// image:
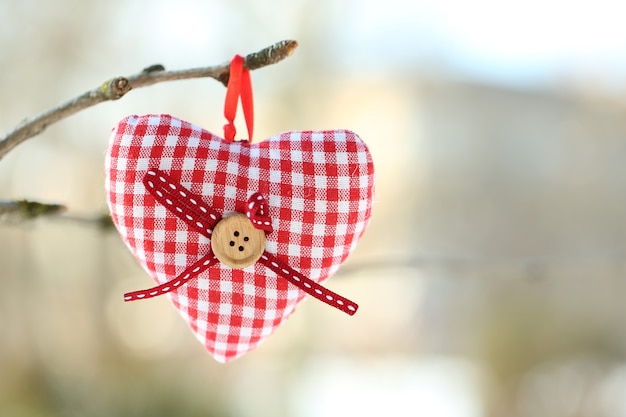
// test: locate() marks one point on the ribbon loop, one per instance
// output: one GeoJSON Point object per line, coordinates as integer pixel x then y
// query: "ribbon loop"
{"type": "Point", "coordinates": [239, 85]}
{"type": "Point", "coordinates": [256, 210]}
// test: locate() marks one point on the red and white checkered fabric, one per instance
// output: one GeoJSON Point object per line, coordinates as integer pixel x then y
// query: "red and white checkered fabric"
{"type": "Point", "coordinates": [318, 187]}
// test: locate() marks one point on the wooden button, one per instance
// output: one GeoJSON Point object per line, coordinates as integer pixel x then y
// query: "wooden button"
{"type": "Point", "coordinates": [236, 242]}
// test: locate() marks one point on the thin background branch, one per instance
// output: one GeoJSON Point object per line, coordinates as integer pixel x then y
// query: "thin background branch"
{"type": "Point", "coordinates": [25, 209]}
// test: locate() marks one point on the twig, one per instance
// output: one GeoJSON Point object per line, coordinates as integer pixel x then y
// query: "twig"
{"type": "Point", "coordinates": [102, 221]}
{"type": "Point", "coordinates": [26, 210]}
{"type": "Point", "coordinates": [116, 88]}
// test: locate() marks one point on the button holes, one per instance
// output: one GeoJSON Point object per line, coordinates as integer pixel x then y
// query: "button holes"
{"type": "Point", "coordinates": [232, 243]}
{"type": "Point", "coordinates": [240, 248]}
{"type": "Point", "coordinates": [245, 239]}
{"type": "Point", "coordinates": [236, 234]}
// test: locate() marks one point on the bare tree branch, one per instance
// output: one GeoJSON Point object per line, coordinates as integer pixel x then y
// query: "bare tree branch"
{"type": "Point", "coordinates": [116, 88]}
{"type": "Point", "coordinates": [102, 221]}
{"type": "Point", "coordinates": [26, 210]}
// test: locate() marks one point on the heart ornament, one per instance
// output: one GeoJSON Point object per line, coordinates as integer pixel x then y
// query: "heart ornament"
{"type": "Point", "coordinates": [171, 184]}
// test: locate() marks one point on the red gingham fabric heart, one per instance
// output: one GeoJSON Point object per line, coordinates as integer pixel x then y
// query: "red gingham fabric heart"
{"type": "Point", "coordinates": [317, 189]}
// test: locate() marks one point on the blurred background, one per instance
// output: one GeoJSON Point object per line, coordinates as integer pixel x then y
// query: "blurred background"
{"type": "Point", "coordinates": [491, 279]}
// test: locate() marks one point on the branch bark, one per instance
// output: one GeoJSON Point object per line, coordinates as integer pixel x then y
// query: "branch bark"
{"type": "Point", "coordinates": [26, 210]}
{"type": "Point", "coordinates": [116, 88]}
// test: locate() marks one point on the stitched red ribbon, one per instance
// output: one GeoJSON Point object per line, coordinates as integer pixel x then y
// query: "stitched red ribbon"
{"type": "Point", "coordinates": [239, 85]}
{"type": "Point", "coordinates": [256, 210]}
{"type": "Point", "coordinates": [191, 209]}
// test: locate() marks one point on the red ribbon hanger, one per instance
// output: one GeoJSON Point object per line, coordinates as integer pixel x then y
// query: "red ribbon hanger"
{"type": "Point", "coordinates": [239, 85]}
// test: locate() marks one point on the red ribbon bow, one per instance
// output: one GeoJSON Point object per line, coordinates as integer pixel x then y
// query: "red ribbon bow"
{"type": "Point", "coordinates": [191, 209]}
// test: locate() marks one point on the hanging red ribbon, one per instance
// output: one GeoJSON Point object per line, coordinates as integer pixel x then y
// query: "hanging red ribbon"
{"type": "Point", "coordinates": [239, 85]}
